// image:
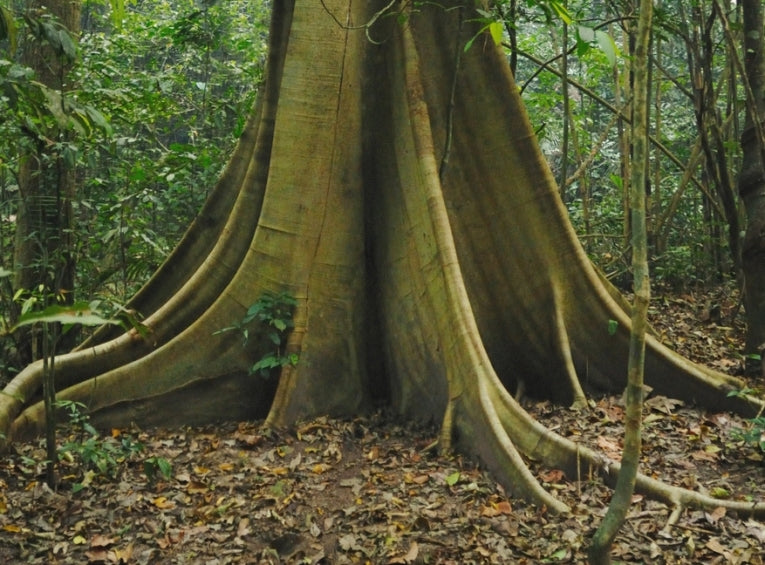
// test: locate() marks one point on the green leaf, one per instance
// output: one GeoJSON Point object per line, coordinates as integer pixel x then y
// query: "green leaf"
{"type": "Point", "coordinates": [719, 492]}
{"type": "Point", "coordinates": [77, 313]}
{"type": "Point", "coordinates": [66, 45]}
{"type": "Point", "coordinates": [117, 14]}
{"type": "Point", "coordinates": [495, 29]}
{"type": "Point", "coordinates": [607, 45]}
{"type": "Point", "coordinates": [452, 479]}
{"type": "Point", "coordinates": [98, 119]}
{"type": "Point", "coordinates": [613, 325]}
{"type": "Point", "coordinates": [586, 33]}
{"type": "Point", "coordinates": [8, 29]}
{"type": "Point", "coordinates": [560, 554]}
{"type": "Point", "coordinates": [561, 11]}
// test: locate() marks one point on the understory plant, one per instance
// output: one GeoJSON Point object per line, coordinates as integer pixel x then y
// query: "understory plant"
{"type": "Point", "coordinates": [269, 319]}
{"type": "Point", "coordinates": [754, 433]}
{"type": "Point", "coordinates": [91, 455]}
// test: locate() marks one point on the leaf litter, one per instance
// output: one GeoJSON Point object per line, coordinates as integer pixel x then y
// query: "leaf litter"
{"type": "Point", "coordinates": [368, 490]}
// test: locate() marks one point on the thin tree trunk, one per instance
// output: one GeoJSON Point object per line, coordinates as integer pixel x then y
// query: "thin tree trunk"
{"type": "Point", "coordinates": [566, 114]}
{"type": "Point", "coordinates": [751, 184]}
{"type": "Point", "coordinates": [625, 484]}
{"type": "Point", "coordinates": [43, 253]}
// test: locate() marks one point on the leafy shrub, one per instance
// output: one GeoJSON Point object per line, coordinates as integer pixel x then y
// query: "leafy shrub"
{"type": "Point", "coordinates": [271, 319]}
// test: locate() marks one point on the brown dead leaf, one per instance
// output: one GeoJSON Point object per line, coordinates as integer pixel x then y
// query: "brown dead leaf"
{"type": "Point", "coordinates": [552, 476]}
{"type": "Point", "coordinates": [714, 516]}
{"type": "Point", "coordinates": [714, 545]}
{"type": "Point", "coordinates": [418, 480]}
{"type": "Point", "coordinates": [122, 555]}
{"type": "Point", "coordinates": [243, 528]}
{"type": "Point", "coordinates": [409, 557]}
{"type": "Point", "coordinates": [98, 556]}
{"type": "Point", "coordinates": [163, 503]}
{"type": "Point", "coordinates": [195, 487]}
{"type": "Point", "coordinates": [100, 540]}
{"type": "Point", "coordinates": [500, 508]}
{"type": "Point", "coordinates": [703, 455]}
{"type": "Point", "coordinates": [610, 447]}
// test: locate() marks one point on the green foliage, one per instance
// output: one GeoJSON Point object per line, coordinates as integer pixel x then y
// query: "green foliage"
{"type": "Point", "coordinates": [89, 456]}
{"type": "Point", "coordinates": [587, 38]}
{"type": "Point", "coordinates": [490, 23]}
{"type": "Point", "coordinates": [270, 319]}
{"type": "Point", "coordinates": [8, 28]}
{"type": "Point", "coordinates": [687, 231]}
{"type": "Point", "coordinates": [82, 313]}
{"type": "Point", "coordinates": [155, 466]}
{"type": "Point", "coordinates": [162, 93]}
{"type": "Point", "coordinates": [176, 81]}
{"type": "Point", "coordinates": [48, 30]}
{"type": "Point", "coordinates": [754, 434]}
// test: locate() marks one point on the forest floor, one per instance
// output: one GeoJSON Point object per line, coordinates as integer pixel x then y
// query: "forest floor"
{"type": "Point", "coordinates": [370, 491]}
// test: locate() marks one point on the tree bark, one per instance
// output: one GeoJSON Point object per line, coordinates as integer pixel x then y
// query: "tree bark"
{"type": "Point", "coordinates": [43, 253]}
{"type": "Point", "coordinates": [432, 294]}
{"type": "Point", "coordinates": [600, 550]}
{"type": "Point", "coordinates": [751, 183]}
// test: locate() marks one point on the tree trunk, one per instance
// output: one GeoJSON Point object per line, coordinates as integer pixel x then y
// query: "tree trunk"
{"type": "Point", "coordinates": [430, 289]}
{"type": "Point", "coordinates": [43, 253]}
{"type": "Point", "coordinates": [600, 550]}
{"type": "Point", "coordinates": [751, 183]}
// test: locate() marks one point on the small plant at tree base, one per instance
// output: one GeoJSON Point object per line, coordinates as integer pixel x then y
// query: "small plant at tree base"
{"type": "Point", "coordinates": [55, 319]}
{"type": "Point", "coordinates": [754, 434]}
{"type": "Point", "coordinates": [101, 457]}
{"type": "Point", "coordinates": [154, 466]}
{"type": "Point", "coordinates": [271, 319]}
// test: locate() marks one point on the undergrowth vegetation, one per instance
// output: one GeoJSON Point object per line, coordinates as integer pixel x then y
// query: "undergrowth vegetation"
{"type": "Point", "coordinates": [160, 94]}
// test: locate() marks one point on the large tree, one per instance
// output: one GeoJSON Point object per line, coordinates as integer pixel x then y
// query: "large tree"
{"type": "Point", "coordinates": [391, 183]}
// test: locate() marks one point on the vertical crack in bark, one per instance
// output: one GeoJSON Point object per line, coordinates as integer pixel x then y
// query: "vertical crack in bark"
{"type": "Point", "coordinates": [452, 96]}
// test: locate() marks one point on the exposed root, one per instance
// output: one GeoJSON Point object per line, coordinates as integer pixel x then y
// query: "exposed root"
{"type": "Point", "coordinates": [564, 350]}
{"type": "Point", "coordinates": [447, 428]}
{"type": "Point", "coordinates": [541, 444]}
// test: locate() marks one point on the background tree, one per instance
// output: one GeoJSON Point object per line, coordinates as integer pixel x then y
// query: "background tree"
{"type": "Point", "coordinates": [43, 253]}
{"type": "Point", "coordinates": [431, 289]}
{"type": "Point", "coordinates": [751, 183]}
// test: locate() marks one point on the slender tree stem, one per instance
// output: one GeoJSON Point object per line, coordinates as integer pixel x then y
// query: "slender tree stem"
{"type": "Point", "coordinates": [625, 485]}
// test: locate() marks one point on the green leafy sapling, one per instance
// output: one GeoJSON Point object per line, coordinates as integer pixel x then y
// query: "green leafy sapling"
{"type": "Point", "coordinates": [270, 319]}
{"type": "Point", "coordinates": [754, 433]}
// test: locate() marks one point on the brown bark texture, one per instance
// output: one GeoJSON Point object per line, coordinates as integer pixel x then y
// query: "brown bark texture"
{"type": "Point", "coordinates": [751, 184]}
{"type": "Point", "coordinates": [43, 253]}
{"type": "Point", "coordinates": [421, 232]}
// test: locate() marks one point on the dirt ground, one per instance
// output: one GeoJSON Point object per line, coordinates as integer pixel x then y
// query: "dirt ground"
{"type": "Point", "coordinates": [370, 490]}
